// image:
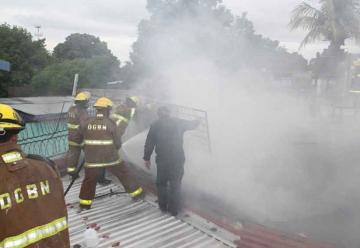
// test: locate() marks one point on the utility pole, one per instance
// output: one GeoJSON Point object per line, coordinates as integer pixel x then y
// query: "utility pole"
{"type": "Point", "coordinates": [76, 80]}
{"type": "Point", "coordinates": [38, 34]}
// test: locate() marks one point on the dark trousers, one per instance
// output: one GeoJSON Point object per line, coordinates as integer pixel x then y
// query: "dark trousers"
{"type": "Point", "coordinates": [72, 156]}
{"type": "Point", "coordinates": [168, 182]}
{"type": "Point", "coordinates": [88, 187]}
{"type": "Point", "coordinates": [101, 177]}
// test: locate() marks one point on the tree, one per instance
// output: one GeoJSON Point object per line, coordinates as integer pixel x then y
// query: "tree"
{"type": "Point", "coordinates": [127, 74]}
{"type": "Point", "coordinates": [335, 21]}
{"type": "Point", "coordinates": [179, 30]}
{"type": "Point", "coordinates": [58, 78]}
{"type": "Point", "coordinates": [26, 56]}
{"type": "Point", "coordinates": [182, 31]}
{"type": "Point", "coordinates": [81, 46]}
{"type": "Point", "coordinates": [84, 54]}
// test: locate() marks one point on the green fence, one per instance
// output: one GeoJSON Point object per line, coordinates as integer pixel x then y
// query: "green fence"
{"type": "Point", "coordinates": [45, 137]}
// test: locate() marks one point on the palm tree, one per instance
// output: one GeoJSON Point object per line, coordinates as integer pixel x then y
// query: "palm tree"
{"type": "Point", "coordinates": [333, 20]}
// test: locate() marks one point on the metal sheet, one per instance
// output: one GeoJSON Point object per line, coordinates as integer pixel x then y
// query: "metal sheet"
{"type": "Point", "coordinates": [38, 106]}
{"type": "Point", "coordinates": [121, 222]}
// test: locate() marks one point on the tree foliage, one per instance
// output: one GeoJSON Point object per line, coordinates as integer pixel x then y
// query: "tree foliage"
{"type": "Point", "coordinates": [184, 30]}
{"type": "Point", "coordinates": [58, 78]}
{"type": "Point", "coordinates": [334, 21]}
{"type": "Point", "coordinates": [26, 56]}
{"type": "Point", "coordinates": [81, 46]}
{"type": "Point", "coordinates": [84, 54]}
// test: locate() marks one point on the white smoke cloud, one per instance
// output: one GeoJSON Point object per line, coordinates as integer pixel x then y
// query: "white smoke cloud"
{"type": "Point", "coordinates": [278, 152]}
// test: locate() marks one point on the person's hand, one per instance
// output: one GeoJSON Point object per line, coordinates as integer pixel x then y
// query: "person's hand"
{"type": "Point", "coordinates": [147, 164]}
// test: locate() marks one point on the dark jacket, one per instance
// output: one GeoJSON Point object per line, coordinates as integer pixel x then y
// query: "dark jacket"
{"type": "Point", "coordinates": [31, 201]}
{"type": "Point", "coordinates": [102, 141]}
{"type": "Point", "coordinates": [166, 136]}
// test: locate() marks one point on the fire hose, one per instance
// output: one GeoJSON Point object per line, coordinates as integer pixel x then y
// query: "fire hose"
{"type": "Point", "coordinates": [111, 193]}
{"type": "Point", "coordinates": [76, 176]}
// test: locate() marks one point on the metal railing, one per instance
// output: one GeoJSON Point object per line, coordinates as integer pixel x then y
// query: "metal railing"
{"type": "Point", "coordinates": [46, 138]}
{"type": "Point", "coordinates": [201, 133]}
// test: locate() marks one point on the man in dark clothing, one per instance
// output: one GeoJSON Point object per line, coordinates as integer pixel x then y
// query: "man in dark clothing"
{"type": "Point", "coordinates": [166, 136]}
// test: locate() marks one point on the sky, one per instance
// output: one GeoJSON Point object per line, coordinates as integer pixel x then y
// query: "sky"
{"type": "Point", "coordinates": [115, 21]}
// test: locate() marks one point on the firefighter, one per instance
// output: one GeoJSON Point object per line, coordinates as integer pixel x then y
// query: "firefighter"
{"type": "Point", "coordinates": [77, 115]}
{"type": "Point", "coordinates": [32, 205]}
{"type": "Point", "coordinates": [122, 115]}
{"type": "Point", "coordinates": [166, 137]}
{"type": "Point", "coordinates": [102, 140]}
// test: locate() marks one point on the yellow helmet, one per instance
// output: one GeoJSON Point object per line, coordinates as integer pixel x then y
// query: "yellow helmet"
{"type": "Point", "coordinates": [103, 102]}
{"type": "Point", "coordinates": [133, 101]}
{"type": "Point", "coordinates": [10, 119]}
{"type": "Point", "coordinates": [83, 96]}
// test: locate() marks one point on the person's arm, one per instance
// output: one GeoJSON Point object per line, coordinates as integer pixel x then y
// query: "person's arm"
{"type": "Point", "coordinates": [121, 126]}
{"type": "Point", "coordinates": [149, 146]}
{"type": "Point", "coordinates": [78, 135]}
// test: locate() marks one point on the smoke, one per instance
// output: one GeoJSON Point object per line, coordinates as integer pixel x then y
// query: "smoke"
{"type": "Point", "coordinates": [256, 162]}
{"type": "Point", "coordinates": [278, 154]}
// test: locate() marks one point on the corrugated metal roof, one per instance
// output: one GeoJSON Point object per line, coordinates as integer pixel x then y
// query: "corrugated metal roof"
{"type": "Point", "coordinates": [257, 236]}
{"type": "Point", "coordinates": [121, 222]}
{"type": "Point", "coordinates": [40, 105]}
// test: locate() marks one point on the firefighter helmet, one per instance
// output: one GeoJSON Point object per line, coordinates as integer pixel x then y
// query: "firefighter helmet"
{"type": "Point", "coordinates": [103, 102]}
{"type": "Point", "coordinates": [83, 96]}
{"type": "Point", "coordinates": [10, 119]}
{"type": "Point", "coordinates": [132, 101]}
